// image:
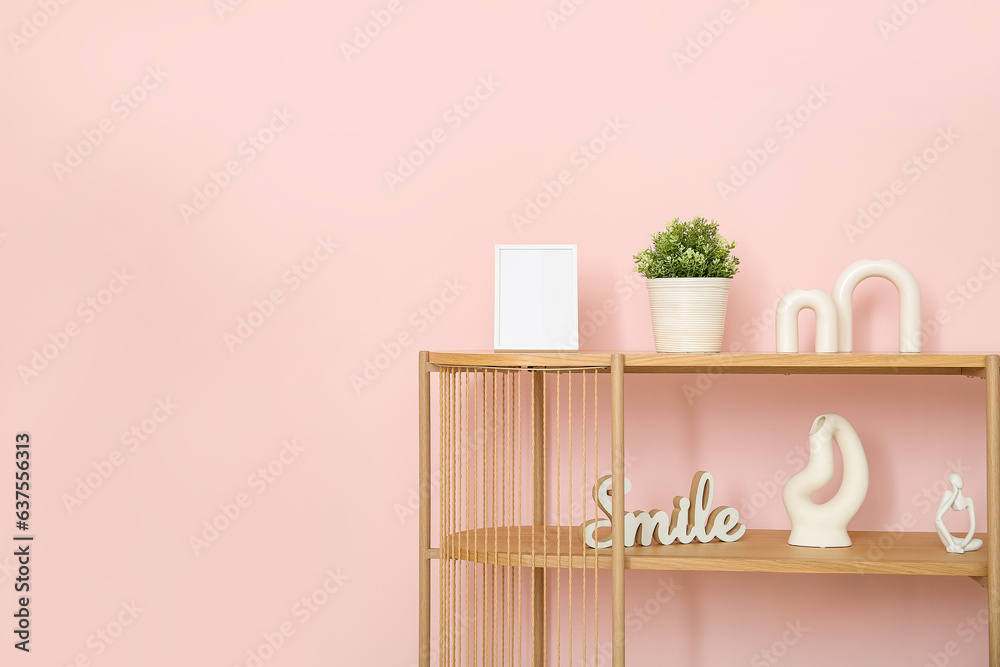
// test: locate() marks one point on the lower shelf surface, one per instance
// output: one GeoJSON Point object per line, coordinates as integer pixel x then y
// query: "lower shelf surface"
{"type": "Point", "coordinates": [873, 552]}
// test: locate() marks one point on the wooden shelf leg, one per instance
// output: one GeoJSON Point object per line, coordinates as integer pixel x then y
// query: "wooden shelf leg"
{"type": "Point", "coordinates": [993, 502]}
{"type": "Point", "coordinates": [538, 515]}
{"type": "Point", "coordinates": [618, 508]}
{"type": "Point", "coordinates": [424, 656]}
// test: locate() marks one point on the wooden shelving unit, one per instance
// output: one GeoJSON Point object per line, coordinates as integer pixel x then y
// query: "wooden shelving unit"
{"type": "Point", "coordinates": [540, 548]}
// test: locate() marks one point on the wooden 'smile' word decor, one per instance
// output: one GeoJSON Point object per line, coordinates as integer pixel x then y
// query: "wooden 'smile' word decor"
{"type": "Point", "coordinates": [689, 520]}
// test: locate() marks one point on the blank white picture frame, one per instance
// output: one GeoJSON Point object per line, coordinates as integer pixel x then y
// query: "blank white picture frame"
{"type": "Point", "coordinates": [535, 305]}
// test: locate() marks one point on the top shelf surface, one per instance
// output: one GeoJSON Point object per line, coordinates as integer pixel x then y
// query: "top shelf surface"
{"type": "Point", "coordinates": [970, 364]}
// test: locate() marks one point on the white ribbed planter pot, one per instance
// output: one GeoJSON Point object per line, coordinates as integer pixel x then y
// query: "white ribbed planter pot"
{"type": "Point", "coordinates": [689, 314]}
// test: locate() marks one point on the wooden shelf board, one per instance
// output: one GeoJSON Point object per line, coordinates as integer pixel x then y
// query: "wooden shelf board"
{"type": "Point", "coordinates": [554, 360]}
{"type": "Point", "coordinates": [811, 364]}
{"type": "Point", "coordinates": [757, 551]}
{"type": "Point", "coordinates": [744, 363]}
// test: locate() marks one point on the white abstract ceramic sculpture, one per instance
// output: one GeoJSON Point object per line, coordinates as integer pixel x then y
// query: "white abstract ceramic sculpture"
{"type": "Point", "coordinates": [835, 314]}
{"type": "Point", "coordinates": [909, 300]}
{"type": "Point", "coordinates": [787, 320]}
{"type": "Point", "coordinates": [825, 525]}
{"type": "Point", "coordinates": [954, 499]}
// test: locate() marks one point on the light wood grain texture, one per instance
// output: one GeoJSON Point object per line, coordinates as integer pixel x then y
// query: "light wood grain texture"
{"type": "Point", "coordinates": [915, 553]}
{"type": "Point", "coordinates": [424, 656]}
{"type": "Point", "coordinates": [618, 509]}
{"type": "Point", "coordinates": [806, 363]}
{"type": "Point", "coordinates": [537, 516]}
{"type": "Point", "coordinates": [523, 359]}
{"type": "Point", "coordinates": [757, 551]}
{"type": "Point", "coordinates": [811, 364]}
{"type": "Point", "coordinates": [993, 502]}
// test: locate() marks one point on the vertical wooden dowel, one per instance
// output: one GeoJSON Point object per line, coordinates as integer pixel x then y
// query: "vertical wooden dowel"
{"type": "Point", "coordinates": [424, 648]}
{"type": "Point", "coordinates": [504, 484]}
{"type": "Point", "coordinates": [993, 503]}
{"type": "Point", "coordinates": [558, 568]}
{"type": "Point", "coordinates": [445, 505]}
{"type": "Point", "coordinates": [446, 475]}
{"type": "Point", "coordinates": [453, 458]}
{"type": "Point", "coordinates": [475, 454]}
{"type": "Point", "coordinates": [569, 523]}
{"type": "Point", "coordinates": [503, 503]}
{"type": "Point", "coordinates": [463, 457]}
{"type": "Point", "coordinates": [511, 415]}
{"type": "Point", "coordinates": [456, 519]}
{"type": "Point", "coordinates": [583, 504]}
{"type": "Point", "coordinates": [618, 508]}
{"type": "Point", "coordinates": [485, 531]}
{"type": "Point", "coordinates": [493, 523]}
{"type": "Point", "coordinates": [476, 493]}
{"type": "Point", "coordinates": [597, 615]}
{"type": "Point", "coordinates": [470, 448]}
{"type": "Point", "coordinates": [537, 515]}
{"type": "Point", "coordinates": [517, 485]}
{"type": "Point", "coordinates": [442, 546]}
{"type": "Point", "coordinates": [443, 516]}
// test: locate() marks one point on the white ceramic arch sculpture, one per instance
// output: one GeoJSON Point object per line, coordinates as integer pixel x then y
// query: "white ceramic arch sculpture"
{"type": "Point", "coordinates": [909, 300]}
{"type": "Point", "coordinates": [835, 315]}
{"type": "Point", "coordinates": [825, 525]}
{"type": "Point", "coordinates": [787, 320]}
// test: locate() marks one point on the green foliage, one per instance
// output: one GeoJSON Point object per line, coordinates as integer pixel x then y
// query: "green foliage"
{"type": "Point", "coordinates": [692, 249]}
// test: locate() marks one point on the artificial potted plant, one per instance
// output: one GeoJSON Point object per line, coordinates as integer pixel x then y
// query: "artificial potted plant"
{"type": "Point", "coordinates": [688, 269]}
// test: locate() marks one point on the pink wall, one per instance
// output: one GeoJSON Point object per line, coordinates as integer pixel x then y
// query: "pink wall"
{"type": "Point", "coordinates": [230, 156]}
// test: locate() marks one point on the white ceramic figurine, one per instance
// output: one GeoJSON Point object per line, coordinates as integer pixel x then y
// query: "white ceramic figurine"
{"type": "Point", "coordinates": [825, 525]}
{"type": "Point", "coordinates": [956, 500]}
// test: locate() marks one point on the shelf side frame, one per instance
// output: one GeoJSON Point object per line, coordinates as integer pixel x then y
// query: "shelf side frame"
{"type": "Point", "coordinates": [618, 508]}
{"type": "Point", "coordinates": [537, 514]}
{"type": "Point", "coordinates": [993, 502]}
{"type": "Point", "coordinates": [424, 654]}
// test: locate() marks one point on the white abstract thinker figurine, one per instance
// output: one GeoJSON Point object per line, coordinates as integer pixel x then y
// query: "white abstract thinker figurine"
{"type": "Point", "coordinates": [956, 500]}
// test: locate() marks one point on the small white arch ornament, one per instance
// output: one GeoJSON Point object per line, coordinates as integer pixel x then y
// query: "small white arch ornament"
{"type": "Point", "coordinates": [787, 320]}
